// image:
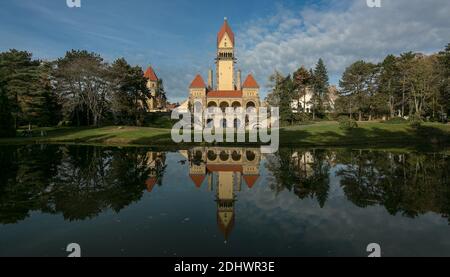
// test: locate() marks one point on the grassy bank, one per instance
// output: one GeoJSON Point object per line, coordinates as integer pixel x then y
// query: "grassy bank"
{"type": "Point", "coordinates": [325, 134]}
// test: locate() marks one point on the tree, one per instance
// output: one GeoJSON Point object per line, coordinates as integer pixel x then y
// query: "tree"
{"type": "Point", "coordinates": [274, 96]}
{"type": "Point", "coordinates": [357, 85]}
{"type": "Point", "coordinates": [389, 82]}
{"type": "Point", "coordinates": [302, 80]}
{"type": "Point", "coordinates": [26, 84]}
{"type": "Point", "coordinates": [83, 83]}
{"type": "Point", "coordinates": [320, 87]}
{"type": "Point", "coordinates": [405, 68]}
{"type": "Point", "coordinates": [7, 128]}
{"type": "Point", "coordinates": [444, 85]}
{"type": "Point", "coordinates": [129, 92]}
{"type": "Point", "coordinates": [286, 94]}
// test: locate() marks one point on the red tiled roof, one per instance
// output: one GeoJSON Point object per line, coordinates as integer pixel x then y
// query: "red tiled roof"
{"type": "Point", "coordinates": [150, 74]}
{"type": "Point", "coordinates": [224, 168]}
{"type": "Point", "coordinates": [198, 180]}
{"type": "Point", "coordinates": [250, 82]}
{"type": "Point", "coordinates": [251, 180]}
{"type": "Point", "coordinates": [150, 183]}
{"type": "Point", "coordinates": [198, 82]}
{"type": "Point", "coordinates": [225, 93]}
{"type": "Point", "coordinates": [225, 30]}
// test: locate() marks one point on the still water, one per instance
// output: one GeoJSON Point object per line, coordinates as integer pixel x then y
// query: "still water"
{"type": "Point", "coordinates": [222, 202]}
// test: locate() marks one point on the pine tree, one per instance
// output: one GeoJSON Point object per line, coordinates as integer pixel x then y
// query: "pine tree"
{"type": "Point", "coordinates": [320, 87]}
{"type": "Point", "coordinates": [129, 92]}
{"type": "Point", "coordinates": [26, 84]}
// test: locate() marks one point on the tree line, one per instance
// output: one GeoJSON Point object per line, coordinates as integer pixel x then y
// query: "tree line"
{"type": "Point", "coordinates": [409, 86]}
{"type": "Point", "coordinates": [79, 89]}
{"type": "Point", "coordinates": [284, 90]}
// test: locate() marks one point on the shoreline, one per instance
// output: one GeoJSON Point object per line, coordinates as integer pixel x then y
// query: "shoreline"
{"type": "Point", "coordinates": [324, 134]}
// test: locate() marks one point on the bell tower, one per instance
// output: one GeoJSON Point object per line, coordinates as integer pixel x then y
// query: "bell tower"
{"type": "Point", "coordinates": [225, 58]}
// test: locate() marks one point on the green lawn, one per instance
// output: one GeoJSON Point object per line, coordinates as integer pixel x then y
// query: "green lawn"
{"type": "Point", "coordinates": [367, 134]}
{"type": "Point", "coordinates": [326, 134]}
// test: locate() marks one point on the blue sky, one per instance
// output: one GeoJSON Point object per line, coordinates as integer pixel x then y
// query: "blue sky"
{"type": "Point", "coordinates": [177, 37]}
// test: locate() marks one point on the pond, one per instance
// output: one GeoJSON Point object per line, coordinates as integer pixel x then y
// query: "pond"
{"type": "Point", "coordinates": [212, 201]}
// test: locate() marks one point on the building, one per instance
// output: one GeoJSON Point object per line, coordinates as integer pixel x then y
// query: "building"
{"type": "Point", "coordinates": [226, 89]}
{"type": "Point", "coordinates": [156, 101]}
{"type": "Point", "coordinates": [303, 102]}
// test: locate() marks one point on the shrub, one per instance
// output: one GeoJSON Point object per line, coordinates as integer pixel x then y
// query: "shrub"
{"type": "Point", "coordinates": [415, 121]}
{"type": "Point", "coordinates": [396, 120]}
{"type": "Point", "coordinates": [346, 123]}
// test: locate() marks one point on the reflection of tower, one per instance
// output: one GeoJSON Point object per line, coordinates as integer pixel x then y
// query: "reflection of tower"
{"type": "Point", "coordinates": [155, 162]}
{"type": "Point", "coordinates": [225, 169]}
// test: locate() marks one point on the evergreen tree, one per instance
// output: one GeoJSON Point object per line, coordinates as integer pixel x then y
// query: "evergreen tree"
{"type": "Point", "coordinates": [129, 92]}
{"type": "Point", "coordinates": [357, 86]}
{"type": "Point", "coordinates": [320, 87]}
{"type": "Point", "coordinates": [26, 84]}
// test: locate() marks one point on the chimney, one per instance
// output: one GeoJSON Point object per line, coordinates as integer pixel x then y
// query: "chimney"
{"type": "Point", "coordinates": [210, 79]}
{"type": "Point", "coordinates": [238, 80]}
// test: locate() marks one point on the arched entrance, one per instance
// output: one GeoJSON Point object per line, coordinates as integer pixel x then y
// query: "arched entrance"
{"type": "Point", "coordinates": [250, 104]}
{"type": "Point", "coordinates": [223, 106]}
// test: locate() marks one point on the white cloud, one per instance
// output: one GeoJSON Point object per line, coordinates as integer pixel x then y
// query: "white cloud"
{"type": "Point", "coordinates": [341, 35]}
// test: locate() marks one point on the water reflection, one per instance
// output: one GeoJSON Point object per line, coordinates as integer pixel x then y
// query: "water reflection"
{"type": "Point", "coordinates": [306, 189]}
{"type": "Point", "coordinates": [411, 184]}
{"type": "Point", "coordinates": [225, 170]}
{"type": "Point", "coordinates": [78, 182]}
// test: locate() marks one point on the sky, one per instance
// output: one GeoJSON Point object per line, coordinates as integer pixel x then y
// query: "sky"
{"type": "Point", "coordinates": [178, 37]}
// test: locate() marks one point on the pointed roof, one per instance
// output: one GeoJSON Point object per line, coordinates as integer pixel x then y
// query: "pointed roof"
{"type": "Point", "coordinates": [150, 74]}
{"type": "Point", "coordinates": [226, 29]}
{"type": "Point", "coordinates": [198, 82]}
{"type": "Point", "coordinates": [150, 183]}
{"type": "Point", "coordinates": [250, 82]}
{"type": "Point", "coordinates": [198, 180]}
{"type": "Point", "coordinates": [251, 180]}
{"type": "Point", "coordinates": [224, 227]}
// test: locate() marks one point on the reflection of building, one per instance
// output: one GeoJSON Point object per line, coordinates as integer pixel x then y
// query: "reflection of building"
{"type": "Point", "coordinates": [156, 101]}
{"type": "Point", "coordinates": [155, 163]}
{"type": "Point", "coordinates": [225, 169]}
{"type": "Point", "coordinates": [304, 162]}
{"type": "Point", "coordinates": [228, 90]}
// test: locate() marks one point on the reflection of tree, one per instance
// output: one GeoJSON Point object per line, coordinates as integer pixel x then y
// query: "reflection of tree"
{"type": "Point", "coordinates": [24, 179]}
{"type": "Point", "coordinates": [304, 173]}
{"type": "Point", "coordinates": [411, 184]}
{"type": "Point", "coordinates": [79, 182]}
